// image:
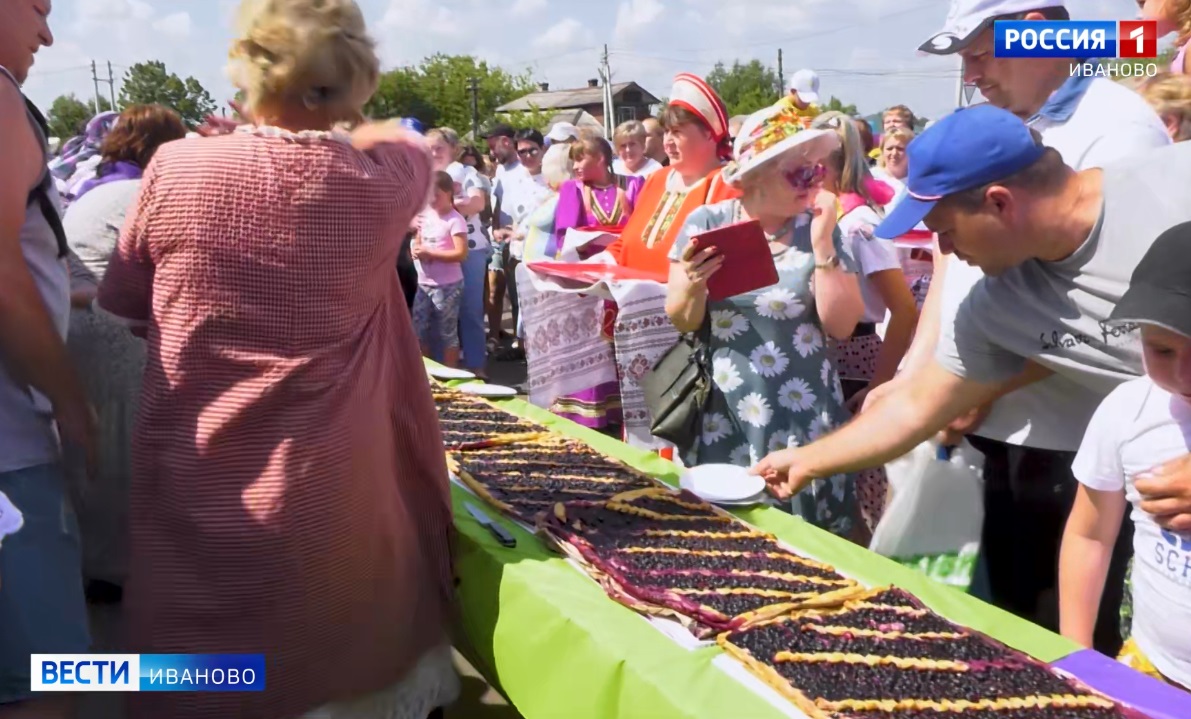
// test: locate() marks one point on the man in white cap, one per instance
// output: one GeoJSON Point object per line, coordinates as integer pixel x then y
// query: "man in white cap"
{"type": "Point", "coordinates": [1028, 436]}
{"type": "Point", "coordinates": [803, 95]}
{"type": "Point", "coordinates": [562, 132]}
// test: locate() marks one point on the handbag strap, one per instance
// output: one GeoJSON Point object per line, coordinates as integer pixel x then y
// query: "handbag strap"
{"type": "Point", "coordinates": [703, 334]}
{"type": "Point", "coordinates": [702, 337]}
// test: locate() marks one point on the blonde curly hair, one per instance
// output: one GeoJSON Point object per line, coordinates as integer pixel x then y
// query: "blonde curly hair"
{"type": "Point", "coordinates": [1180, 14]}
{"type": "Point", "coordinates": [312, 53]}
{"type": "Point", "coordinates": [1170, 96]}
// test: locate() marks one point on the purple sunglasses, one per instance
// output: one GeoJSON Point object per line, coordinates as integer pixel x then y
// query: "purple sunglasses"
{"type": "Point", "coordinates": [804, 177]}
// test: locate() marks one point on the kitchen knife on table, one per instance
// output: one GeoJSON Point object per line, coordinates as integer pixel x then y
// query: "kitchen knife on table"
{"type": "Point", "coordinates": [502, 535]}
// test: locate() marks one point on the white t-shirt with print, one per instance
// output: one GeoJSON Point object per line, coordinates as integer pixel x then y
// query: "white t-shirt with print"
{"type": "Point", "coordinates": [871, 254]}
{"type": "Point", "coordinates": [1110, 123]}
{"type": "Point", "coordinates": [468, 182]}
{"type": "Point", "coordinates": [517, 193]}
{"type": "Point", "coordinates": [1138, 427]}
{"type": "Point", "coordinates": [502, 170]}
{"type": "Point", "coordinates": [651, 166]}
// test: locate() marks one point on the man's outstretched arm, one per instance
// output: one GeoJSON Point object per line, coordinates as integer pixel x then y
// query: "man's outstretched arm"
{"type": "Point", "coordinates": [910, 414]}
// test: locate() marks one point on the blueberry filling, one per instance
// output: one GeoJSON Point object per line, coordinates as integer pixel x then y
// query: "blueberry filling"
{"type": "Point", "coordinates": [840, 681]}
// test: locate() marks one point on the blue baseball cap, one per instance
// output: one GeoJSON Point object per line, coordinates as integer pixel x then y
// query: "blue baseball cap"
{"type": "Point", "coordinates": [969, 148]}
{"type": "Point", "coordinates": [413, 123]}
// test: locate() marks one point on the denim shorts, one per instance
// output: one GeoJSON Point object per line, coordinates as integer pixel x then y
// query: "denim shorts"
{"type": "Point", "coordinates": [436, 314]}
{"type": "Point", "coordinates": [500, 253]}
{"type": "Point", "coordinates": [42, 608]}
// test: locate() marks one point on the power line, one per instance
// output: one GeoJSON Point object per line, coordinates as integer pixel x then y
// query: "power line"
{"type": "Point", "coordinates": [933, 4]}
{"type": "Point", "coordinates": [553, 56]}
{"type": "Point", "coordinates": [61, 70]}
{"type": "Point", "coordinates": [851, 72]}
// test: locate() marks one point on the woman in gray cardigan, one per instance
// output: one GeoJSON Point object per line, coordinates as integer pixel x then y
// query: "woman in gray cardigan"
{"type": "Point", "coordinates": [109, 359]}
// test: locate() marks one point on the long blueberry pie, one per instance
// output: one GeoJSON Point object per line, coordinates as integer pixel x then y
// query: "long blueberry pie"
{"type": "Point", "coordinates": [469, 422]}
{"type": "Point", "coordinates": [883, 655]}
{"type": "Point", "coordinates": [670, 553]}
{"type": "Point", "coordinates": [524, 479]}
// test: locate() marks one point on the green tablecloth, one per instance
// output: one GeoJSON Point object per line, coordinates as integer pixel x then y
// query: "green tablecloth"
{"type": "Point", "coordinates": [559, 648]}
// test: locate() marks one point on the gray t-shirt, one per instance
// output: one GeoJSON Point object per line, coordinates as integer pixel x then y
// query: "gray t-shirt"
{"type": "Point", "coordinates": [1055, 312]}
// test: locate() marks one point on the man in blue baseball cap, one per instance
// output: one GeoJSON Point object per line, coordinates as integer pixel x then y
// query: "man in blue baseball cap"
{"type": "Point", "coordinates": [1058, 247]}
{"type": "Point", "coordinates": [1027, 436]}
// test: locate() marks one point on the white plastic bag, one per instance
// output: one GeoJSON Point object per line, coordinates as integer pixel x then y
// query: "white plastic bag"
{"type": "Point", "coordinates": [934, 517]}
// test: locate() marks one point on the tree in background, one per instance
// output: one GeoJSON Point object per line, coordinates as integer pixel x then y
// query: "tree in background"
{"type": "Point", "coordinates": [437, 93]}
{"type": "Point", "coordinates": [834, 103]}
{"type": "Point", "coordinates": [68, 115]}
{"type": "Point", "coordinates": [148, 83]}
{"type": "Point", "coordinates": [744, 88]}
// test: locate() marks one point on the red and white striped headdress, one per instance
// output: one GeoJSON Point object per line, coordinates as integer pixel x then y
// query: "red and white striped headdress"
{"type": "Point", "coordinates": [692, 93]}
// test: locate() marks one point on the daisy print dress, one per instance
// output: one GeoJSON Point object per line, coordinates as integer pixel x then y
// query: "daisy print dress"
{"type": "Point", "coordinates": [774, 384]}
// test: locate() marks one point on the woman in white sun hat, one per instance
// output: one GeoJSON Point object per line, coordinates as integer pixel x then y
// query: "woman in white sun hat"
{"type": "Point", "coordinates": [775, 385]}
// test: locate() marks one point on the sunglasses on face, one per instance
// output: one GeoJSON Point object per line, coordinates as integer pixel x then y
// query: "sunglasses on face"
{"type": "Point", "coordinates": [528, 151]}
{"type": "Point", "coordinates": [804, 177]}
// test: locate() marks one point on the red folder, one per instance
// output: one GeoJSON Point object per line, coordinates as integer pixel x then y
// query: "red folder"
{"type": "Point", "coordinates": [748, 261]}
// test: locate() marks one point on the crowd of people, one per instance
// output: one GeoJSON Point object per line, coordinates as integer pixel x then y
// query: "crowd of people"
{"type": "Point", "coordinates": [208, 343]}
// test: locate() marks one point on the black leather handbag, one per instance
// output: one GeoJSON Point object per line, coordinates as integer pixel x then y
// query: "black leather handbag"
{"type": "Point", "coordinates": [678, 387]}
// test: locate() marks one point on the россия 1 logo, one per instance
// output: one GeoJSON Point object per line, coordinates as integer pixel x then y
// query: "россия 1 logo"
{"type": "Point", "coordinates": [1085, 42]}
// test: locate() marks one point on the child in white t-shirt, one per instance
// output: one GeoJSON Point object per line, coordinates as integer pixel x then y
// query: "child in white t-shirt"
{"type": "Point", "coordinates": [1139, 426]}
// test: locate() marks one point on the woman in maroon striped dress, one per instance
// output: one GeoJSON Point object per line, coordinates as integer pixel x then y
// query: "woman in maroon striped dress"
{"type": "Point", "coordinates": [289, 493]}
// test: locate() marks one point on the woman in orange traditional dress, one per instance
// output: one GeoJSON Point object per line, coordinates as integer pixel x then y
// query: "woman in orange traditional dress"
{"type": "Point", "coordinates": [697, 144]}
{"type": "Point", "coordinates": [289, 493]}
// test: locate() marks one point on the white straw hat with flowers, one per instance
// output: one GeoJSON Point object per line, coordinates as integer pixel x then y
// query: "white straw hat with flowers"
{"type": "Point", "coordinates": [771, 134]}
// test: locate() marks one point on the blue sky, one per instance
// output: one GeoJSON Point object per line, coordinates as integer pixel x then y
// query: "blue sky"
{"type": "Point", "coordinates": [865, 50]}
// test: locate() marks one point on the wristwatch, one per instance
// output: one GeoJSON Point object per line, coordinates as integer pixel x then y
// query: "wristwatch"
{"type": "Point", "coordinates": [829, 264]}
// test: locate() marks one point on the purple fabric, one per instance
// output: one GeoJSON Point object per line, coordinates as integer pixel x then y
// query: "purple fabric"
{"type": "Point", "coordinates": [78, 149]}
{"type": "Point", "coordinates": [1180, 59]}
{"type": "Point", "coordinates": [110, 172]}
{"type": "Point", "coordinates": [601, 406]}
{"type": "Point", "coordinates": [1150, 696]}
{"type": "Point", "coordinates": [571, 213]}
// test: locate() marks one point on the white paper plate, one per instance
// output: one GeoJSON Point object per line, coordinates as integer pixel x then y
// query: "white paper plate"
{"type": "Point", "coordinates": [487, 390]}
{"type": "Point", "coordinates": [449, 373]}
{"type": "Point", "coordinates": [722, 483]}
{"type": "Point", "coordinates": [755, 499]}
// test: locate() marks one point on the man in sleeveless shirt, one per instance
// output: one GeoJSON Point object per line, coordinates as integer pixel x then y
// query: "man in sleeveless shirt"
{"type": "Point", "coordinates": [42, 402]}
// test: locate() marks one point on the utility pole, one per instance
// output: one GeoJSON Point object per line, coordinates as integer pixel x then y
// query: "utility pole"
{"type": "Point", "coordinates": [781, 76]}
{"type": "Point", "coordinates": [111, 84]}
{"type": "Point", "coordinates": [609, 102]}
{"type": "Point", "coordinates": [95, 79]}
{"type": "Point", "coordinates": [474, 86]}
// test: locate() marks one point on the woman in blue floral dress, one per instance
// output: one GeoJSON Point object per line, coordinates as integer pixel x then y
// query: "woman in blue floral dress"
{"type": "Point", "coordinates": [774, 383]}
